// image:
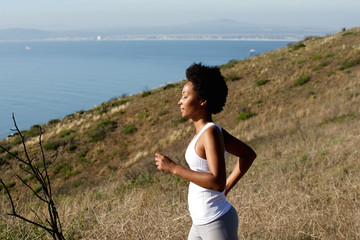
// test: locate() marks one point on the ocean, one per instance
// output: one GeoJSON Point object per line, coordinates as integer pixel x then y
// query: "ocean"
{"type": "Point", "coordinates": [40, 81]}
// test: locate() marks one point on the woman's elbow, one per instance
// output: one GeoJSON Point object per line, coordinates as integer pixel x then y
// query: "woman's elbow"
{"type": "Point", "coordinates": [220, 186]}
{"type": "Point", "coordinates": [252, 156]}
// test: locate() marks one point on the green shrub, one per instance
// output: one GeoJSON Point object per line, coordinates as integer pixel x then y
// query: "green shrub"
{"type": "Point", "coordinates": [169, 85]}
{"type": "Point", "coordinates": [107, 123]}
{"type": "Point", "coordinates": [340, 118]}
{"type": "Point", "coordinates": [163, 112]}
{"type": "Point", "coordinates": [16, 141]}
{"type": "Point", "coordinates": [76, 183]}
{"type": "Point", "coordinates": [317, 57]}
{"type": "Point", "coordinates": [70, 173]}
{"type": "Point", "coordinates": [53, 121]}
{"type": "Point", "coordinates": [33, 131]}
{"type": "Point", "coordinates": [245, 115]}
{"type": "Point", "coordinates": [65, 133]}
{"type": "Point", "coordinates": [100, 131]}
{"type": "Point", "coordinates": [37, 189]}
{"type": "Point", "coordinates": [232, 78]}
{"type": "Point", "coordinates": [119, 103]}
{"type": "Point", "coordinates": [230, 64]}
{"type": "Point", "coordinates": [52, 145]}
{"type": "Point", "coordinates": [321, 65]}
{"type": "Point", "coordinates": [180, 120]}
{"type": "Point", "coordinates": [61, 166]}
{"type": "Point", "coordinates": [9, 156]}
{"type": "Point", "coordinates": [129, 129]}
{"type": "Point", "coordinates": [299, 61]}
{"type": "Point", "coordinates": [8, 186]}
{"type": "Point", "coordinates": [70, 115]}
{"type": "Point", "coordinates": [82, 154]}
{"type": "Point", "coordinates": [298, 46]}
{"type": "Point", "coordinates": [3, 161]}
{"type": "Point", "coordinates": [102, 110]}
{"type": "Point", "coordinates": [73, 147]}
{"type": "Point", "coordinates": [5, 146]}
{"type": "Point", "coordinates": [262, 82]}
{"type": "Point", "coordinates": [143, 115]}
{"type": "Point", "coordinates": [330, 73]}
{"type": "Point", "coordinates": [302, 80]}
{"type": "Point", "coordinates": [349, 64]}
{"type": "Point", "coordinates": [142, 180]}
{"type": "Point", "coordinates": [146, 93]}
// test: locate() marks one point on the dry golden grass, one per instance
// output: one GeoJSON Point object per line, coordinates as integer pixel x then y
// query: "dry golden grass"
{"type": "Point", "coordinates": [305, 183]}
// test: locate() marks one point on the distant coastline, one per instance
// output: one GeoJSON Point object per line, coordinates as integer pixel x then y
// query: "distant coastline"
{"type": "Point", "coordinates": [168, 37]}
{"type": "Point", "coordinates": [220, 30]}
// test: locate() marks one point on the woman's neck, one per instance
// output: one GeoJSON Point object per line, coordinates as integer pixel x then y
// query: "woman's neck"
{"type": "Point", "coordinates": [201, 122]}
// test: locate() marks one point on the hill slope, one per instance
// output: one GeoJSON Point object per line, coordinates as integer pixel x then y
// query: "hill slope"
{"type": "Point", "coordinates": [298, 107]}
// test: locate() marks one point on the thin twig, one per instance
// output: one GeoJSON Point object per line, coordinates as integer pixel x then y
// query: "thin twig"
{"type": "Point", "coordinates": [42, 177]}
{"type": "Point", "coordinates": [22, 180]}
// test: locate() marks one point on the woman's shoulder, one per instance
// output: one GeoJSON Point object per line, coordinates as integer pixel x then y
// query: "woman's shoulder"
{"type": "Point", "coordinates": [214, 126]}
{"type": "Point", "coordinates": [212, 129]}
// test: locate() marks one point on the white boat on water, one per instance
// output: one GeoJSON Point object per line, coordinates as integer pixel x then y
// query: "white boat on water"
{"type": "Point", "coordinates": [28, 48]}
{"type": "Point", "coordinates": [252, 52]}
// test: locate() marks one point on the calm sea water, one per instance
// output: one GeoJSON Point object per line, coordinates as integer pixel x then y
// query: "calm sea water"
{"type": "Point", "coordinates": [54, 79]}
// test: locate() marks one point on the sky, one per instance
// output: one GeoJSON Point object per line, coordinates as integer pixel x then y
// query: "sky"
{"type": "Point", "coordinates": [109, 14]}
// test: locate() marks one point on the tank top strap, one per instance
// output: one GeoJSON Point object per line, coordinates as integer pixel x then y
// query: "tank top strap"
{"type": "Point", "coordinates": [209, 124]}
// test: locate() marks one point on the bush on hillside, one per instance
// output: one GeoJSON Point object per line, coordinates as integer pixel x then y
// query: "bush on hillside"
{"type": "Point", "coordinates": [146, 93]}
{"type": "Point", "coordinates": [302, 80]}
{"type": "Point", "coordinates": [100, 131]}
{"type": "Point", "coordinates": [232, 77]}
{"type": "Point", "coordinates": [129, 129]}
{"type": "Point", "coordinates": [230, 64]}
{"type": "Point", "coordinates": [52, 145]}
{"type": "Point", "coordinates": [298, 46]}
{"type": "Point", "coordinates": [180, 120]}
{"type": "Point", "coordinates": [349, 64]}
{"type": "Point", "coordinates": [245, 115]}
{"type": "Point", "coordinates": [65, 133]}
{"type": "Point", "coordinates": [321, 65]}
{"type": "Point", "coordinates": [53, 121]}
{"type": "Point", "coordinates": [262, 82]}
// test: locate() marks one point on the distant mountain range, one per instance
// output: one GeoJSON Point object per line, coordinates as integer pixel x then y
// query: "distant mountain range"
{"type": "Point", "coordinates": [219, 29]}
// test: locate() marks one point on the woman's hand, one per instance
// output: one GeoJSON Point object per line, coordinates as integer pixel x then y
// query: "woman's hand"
{"type": "Point", "coordinates": [164, 163]}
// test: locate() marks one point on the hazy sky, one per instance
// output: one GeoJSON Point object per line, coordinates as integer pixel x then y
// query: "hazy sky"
{"type": "Point", "coordinates": [94, 14]}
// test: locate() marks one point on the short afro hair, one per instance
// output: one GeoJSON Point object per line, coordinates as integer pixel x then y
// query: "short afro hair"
{"type": "Point", "coordinates": [209, 85]}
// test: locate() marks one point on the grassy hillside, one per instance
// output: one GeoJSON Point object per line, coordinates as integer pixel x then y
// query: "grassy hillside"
{"type": "Point", "coordinates": [298, 107]}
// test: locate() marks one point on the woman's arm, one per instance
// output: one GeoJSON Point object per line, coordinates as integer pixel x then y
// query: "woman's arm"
{"type": "Point", "coordinates": [245, 155]}
{"type": "Point", "coordinates": [211, 141]}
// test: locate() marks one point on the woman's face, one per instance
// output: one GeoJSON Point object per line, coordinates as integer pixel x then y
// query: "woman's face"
{"type": "Point", "coordinates": [190, 104]}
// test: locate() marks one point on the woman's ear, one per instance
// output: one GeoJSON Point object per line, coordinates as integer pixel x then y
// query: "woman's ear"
{"type": "Point", "coordinates": [203, 103]}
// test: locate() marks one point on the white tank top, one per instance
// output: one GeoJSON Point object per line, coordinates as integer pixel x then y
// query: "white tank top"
{"type": "Point", "coordinates": [205, 205]}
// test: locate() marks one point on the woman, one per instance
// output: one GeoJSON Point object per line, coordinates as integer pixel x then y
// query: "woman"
{"type": "Point", "coordinates": [213, 217]}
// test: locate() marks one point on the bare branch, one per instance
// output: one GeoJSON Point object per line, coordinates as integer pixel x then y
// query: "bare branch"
{"type": "Point", "coordinates": [34, 192]}
{"type": "Point", "coordinates": [9, 195]}
{"type": "Point", "coordinates": [22, 138]}
{"type": "Point", "coordinates": [44, 164]}
{"type": "Point", "coordinates": [27, 171]}
{"type": "Point", "coordinates": [14, 155]}
{"type": "Point", "coordinates": [37, 216]}
{"type": "Point", "coordinates": [50, 223]}
{"type": "Point", "coordinates": [49, 230]}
